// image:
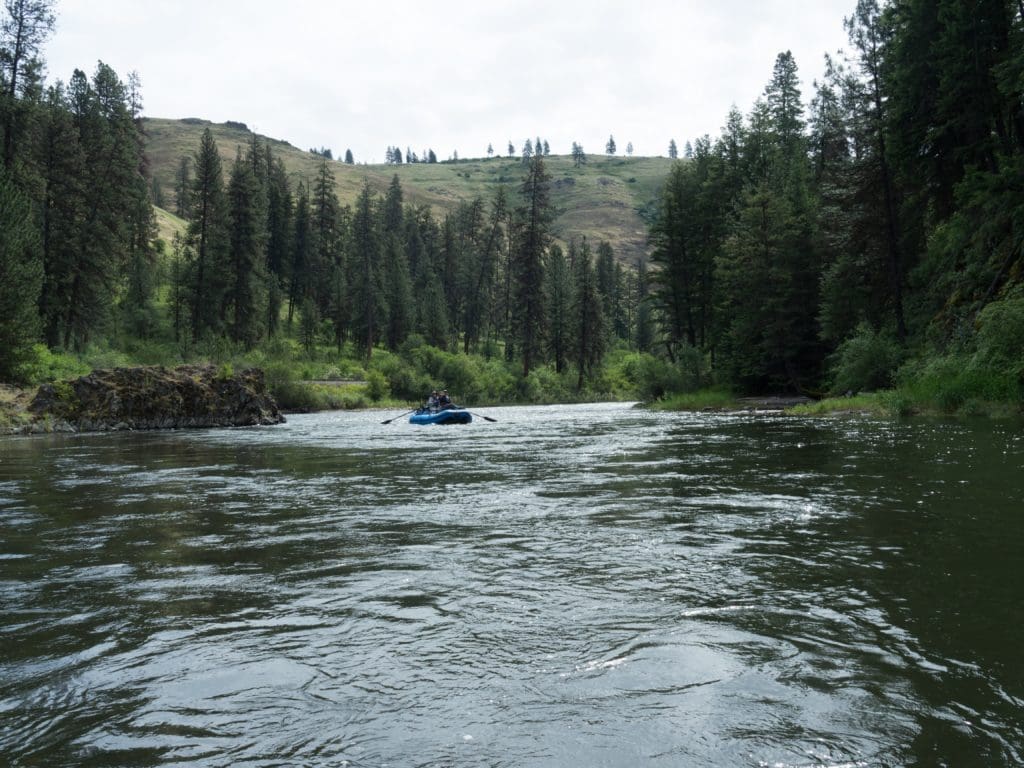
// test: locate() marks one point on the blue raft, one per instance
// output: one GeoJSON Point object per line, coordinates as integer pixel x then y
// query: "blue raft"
{"type": "Point", "coordinates": [443, 416]}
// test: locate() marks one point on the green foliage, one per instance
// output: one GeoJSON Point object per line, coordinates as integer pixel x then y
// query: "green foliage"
{"type": "Point", "coordinates": [865, 362]}
{"type": "Point", "coordinates": [225, 372]}
{"type": "Point", "coordinates": [377, 387]}
{"type": "Point", "coordinates": [701, 400]}
{"type": "Point", "coordinates": [1000, 338]}
{"type": "Point", "coordinates": [20, 281]}
{"type": "Point", "coordinates": [47, 366]}
{"type": "Point", "coordinates": [652, 378]}
{"type": "Point", "coordinates": [877, 404]}
{"type": "Point", "coordinates": [956, 384]}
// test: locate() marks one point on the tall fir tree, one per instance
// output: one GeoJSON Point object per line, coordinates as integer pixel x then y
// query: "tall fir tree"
{"type": "Point", "coordinates": [369, 307]}
{"type": "Point", "coordinates": [246, 243]}
{"type": "Point", "coordinates": [208, 237]}
{"type": "Point", "coordinates": [558, 297]}
{"type": "Point", "coordinates": [21, 277]}
{"type": "Point", "coordinates": [533, 221]}
{"type": "Point", "coordinates": [588, 327]}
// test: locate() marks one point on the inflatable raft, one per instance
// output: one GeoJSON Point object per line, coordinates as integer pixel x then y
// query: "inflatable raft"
{"type": "Point", "coordinates": [443, 416]}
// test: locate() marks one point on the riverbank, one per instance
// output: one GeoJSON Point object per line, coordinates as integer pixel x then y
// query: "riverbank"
{"type": "Point", "coordinates": [887, 404]}
{"type": "Point", "coordinates": [141, 398]}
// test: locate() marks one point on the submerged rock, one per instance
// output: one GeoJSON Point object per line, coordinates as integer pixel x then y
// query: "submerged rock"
{"type": "Point", "coordinates": [157, 398]}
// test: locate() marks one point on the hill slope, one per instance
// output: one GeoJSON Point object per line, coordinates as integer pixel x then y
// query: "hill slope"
{"type": "Point", "coordinates": [605, 199]}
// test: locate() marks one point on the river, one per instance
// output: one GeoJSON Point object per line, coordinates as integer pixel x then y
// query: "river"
{"type": "Point", "coordinates": [569, 586]}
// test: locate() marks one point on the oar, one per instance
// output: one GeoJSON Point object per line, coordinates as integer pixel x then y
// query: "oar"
{"type": "Point", "coordinates": [388, 421]}
{"type": "Point", "coordinates": [480, 415]}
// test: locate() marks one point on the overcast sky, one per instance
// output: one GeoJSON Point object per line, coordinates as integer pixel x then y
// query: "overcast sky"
{"type": "Point", "coordinates": [450, 76]}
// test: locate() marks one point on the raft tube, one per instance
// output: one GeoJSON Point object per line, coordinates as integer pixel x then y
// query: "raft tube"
{"type": "Point", "coordinates": [444, 416]}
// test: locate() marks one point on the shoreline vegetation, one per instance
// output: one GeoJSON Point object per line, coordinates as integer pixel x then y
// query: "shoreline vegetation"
{"type": "Point", "coordinates": [280, 389]}
{"type": "Point", "coordinates": [840, 241]}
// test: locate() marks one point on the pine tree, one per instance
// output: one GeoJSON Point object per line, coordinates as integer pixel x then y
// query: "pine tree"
{"type": "Point", "coordinates": [114, 197]}
{"type": "Point", "coordinates": [20, 280]}
{"type": "Point", "coordinates": [246, 255]}
{"type": "Point", "coordinates": [558, 307]}
{"type": "Point", "coordinates": [280, 222]}
{"type": "Point", "coordinates": [328, 232]}
{"type": "Point", "coordinates": [588, 327]}
{"type": "Point", "coordinates": [606, 285]}
{"type": "Point", "coordinates": [349, 159]}
{"type": "Point", "coordinates": [673, 150]}
{"type": "Point", "coordinates": [481, 271]}
{"type": "Point", "coordinates": [208, 236]}
{"type": "Point", "coordinates": [300, 276]}
{"type": "Point", "coordinates": [369, 307]}
{"type": "Point", "coordinates": [23, 29]}
{"type": "Point", "coordinates": [609, 148]}
{"type": "Point", "coordinates": [644, 322]}
{"type": "Point", "coordinates": [397, 281]}
{"type": "Point", "coordinates": [533, 219]}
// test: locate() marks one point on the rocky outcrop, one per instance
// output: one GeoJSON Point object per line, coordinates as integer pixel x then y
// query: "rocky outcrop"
{"type": "Point", "coordinates": [156, 398]}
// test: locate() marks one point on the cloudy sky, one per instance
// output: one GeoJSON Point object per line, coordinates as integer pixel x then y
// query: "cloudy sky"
{"type": "Point", "coordinates": [453, 75]}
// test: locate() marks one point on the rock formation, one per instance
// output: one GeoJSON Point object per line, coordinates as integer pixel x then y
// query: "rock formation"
{"type": "Point", "coordinates": [188, 396]}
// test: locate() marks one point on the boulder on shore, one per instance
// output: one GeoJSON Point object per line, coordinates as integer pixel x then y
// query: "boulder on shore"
{"type": "Point", "coordinates": [188, 396]}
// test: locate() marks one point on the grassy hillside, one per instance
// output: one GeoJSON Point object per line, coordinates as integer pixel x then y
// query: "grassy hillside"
{"type": "Point", "coordinates": [606, 199]}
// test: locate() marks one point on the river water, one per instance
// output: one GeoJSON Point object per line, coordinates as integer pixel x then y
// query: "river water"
{"type": "Point", "coordinates": [570, 586]}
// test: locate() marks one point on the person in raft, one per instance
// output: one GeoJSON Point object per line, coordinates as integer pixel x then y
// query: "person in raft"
{"type": "Point", "coordinates": [444, 401]}
{"type": "Point", "coordinates": [433, 400]}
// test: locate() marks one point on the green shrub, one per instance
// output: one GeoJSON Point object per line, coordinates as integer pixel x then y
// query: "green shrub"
{"type": "Point", "coordinates": [1001, 338]}
{"type": "Point", "coordinates": [377, 386]}
{"type": "Point", "coordinates": [46, 365]}
{"type": "Point", "coordinates": [865, 362]}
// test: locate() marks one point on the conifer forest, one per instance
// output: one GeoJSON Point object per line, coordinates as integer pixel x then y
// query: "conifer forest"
{"type": "Point", "coordinates": [867, 236]}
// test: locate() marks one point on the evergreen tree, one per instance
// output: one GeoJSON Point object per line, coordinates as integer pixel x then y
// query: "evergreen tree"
{"type": "Point", "coordinates": [685, 260]}
{"type": "Point", "coordinates": [481, 271]}
{"type": "Point", "coordinates": [208, 237]}
{"type": "Point", "coordinates": [369, 307]}
{"type": "Point", "coordinates": [20, 280]}
{"type": "Point", "coordinates": [280, 223]}
{"type": "Point", "coordinates": [609, 148]}
{"type": "Point", "coordinates": [588, 331]}
{"type": "Point", "coordinates": [23, 28]}
{"type": "Point", "coordinates": [532, 226]}
{"type": "Point", "coordinates": [309, 324]}
{"type": "Point", "coordinates": [558, 295]}
{"type": "Point", "coordinates": [644, 321]}
{"type": "Point", "coordinates": [527, 151]}
{"type": "Point", "coordinates": [673, 150]}
{"type": "Point", "coordinates": [396, 279]}
{"type": "Point", "coordinates": [300, 276]}
{"type": "Point", "coordinates": [511, 149]}
{"type": "Point", "coordinates": [112, 194]}
{"type": "Point", "coordinates": [578, 155]}
{"type": "Point", "coordinates": [246, 243]}
{"type": "Point", "coordinates": [397, 293]}
{"type": "Point", "coordinates": [606, 280]}
{"type": "Point", "coordinates": [328, 232]}
{"type": "Point", "coordinates": [349, 159]}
